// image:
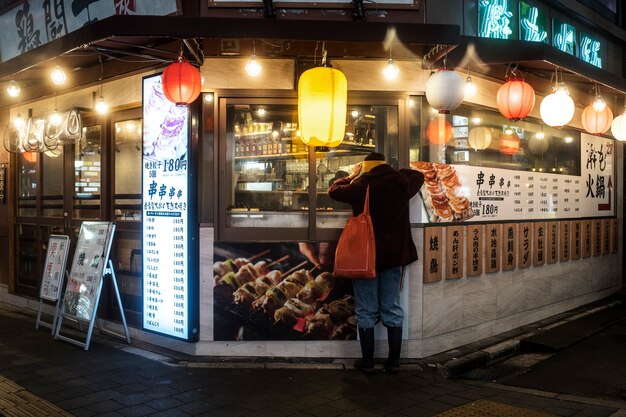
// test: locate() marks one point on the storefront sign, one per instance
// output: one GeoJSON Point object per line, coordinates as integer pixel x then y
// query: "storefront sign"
{"type": "Point", "coordinates": [540, 244]}
{"type": "Point", "coordinates": [577, 240]}
{"type": "Point", "coordinates": [565, 241]}
{"type": "Point", "coordinates": [474, 247]}
{"type": "Point", "coordinates": [494, 247]}
{"type": "Point", "coordinates": [525, 245]}
{"type": "Point", "coordinates": [54, 267]}
{"type": "Point", "coordinates": [498, 19]}
{"type": "Point", "coordinates": [509, 255]}
{"type": "Point", "coordinates": [454, 252]}
{"type": "Point", "coordinates": [36, 22]}
{"type": "Point", "coordinates": [552, 254]}
{"type": "Point", "coordinates": [167, 299]}
{"type": "Point", "coordinates": [433, 254]}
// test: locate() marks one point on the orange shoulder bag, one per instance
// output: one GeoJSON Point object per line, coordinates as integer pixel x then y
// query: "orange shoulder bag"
{"type": "Point", "coordinates": [355, 256]}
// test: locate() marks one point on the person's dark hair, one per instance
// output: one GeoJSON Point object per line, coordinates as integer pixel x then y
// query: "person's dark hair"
{"type": "Point", "coordinates": [375, 156]}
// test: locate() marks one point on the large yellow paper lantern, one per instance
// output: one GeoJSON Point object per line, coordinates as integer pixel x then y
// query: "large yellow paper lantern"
{"type": "Point", "coordinates": [322, 104]}
{"type": "Point", "coordinates": [480, 138]}
{"type": "Point", "coordinates": [596, 122]}
{"type": "Point", "coordinates": [557, 109]}
{"type": "Point", "coordinates": [618, 127]}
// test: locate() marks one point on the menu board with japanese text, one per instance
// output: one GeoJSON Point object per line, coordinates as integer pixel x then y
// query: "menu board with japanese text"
{"type": "Point", "coordinates": [525, 245]}
{"type": "Point", "coordinates": [494, 245]}
{"type": "Point", "coordinates": [433, 254]}
{"type": "Point", "coordinates": [54, 267]}
{"type": "Point", "coordinates": [596, 238]}
{"type": "Point", "coordinates": [454, 252]}
{"type": "Point", "coordinates": [540, 243]}
{"type": "Point", "coordinates": [552, 244]}
{"type": "Point", "coordinates": [586, 237]}
{"type": "Point", "coordinates": [615, 236]}
{"type": "Point", "coordinates": [576, 239]}
{"type": "Point", "coordinates": [606, 236]}
{"type": "Point", "coordinates": [509, 254]}
{"type": "Point", "coordinates": [474, 247]}
{"type": "Point", "coordinates": [85, 280]}
{"type": "Point", "coordinates": [495, 194]}
{"type": "Point", "coordinates": [166, 208]}
{"type": "Point", "coordinates": [565, 241]}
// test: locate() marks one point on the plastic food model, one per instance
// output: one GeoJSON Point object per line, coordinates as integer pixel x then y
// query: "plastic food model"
{"type": "Point", "coordinates": [442, 192]}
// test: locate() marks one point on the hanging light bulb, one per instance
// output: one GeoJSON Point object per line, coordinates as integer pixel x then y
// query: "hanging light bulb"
{"type": "Point", "coordinates": [101, 106]}
{"type": "Point", "coordinates": [470, 87]}
{"type": "Point", "coordinates": [13, 89]}
{"type": "Point", "coordinates": [391, 70]}
{"type": "Point", "coordinates": [55, 118]}
{"type": "Point", "coordinates": [599, 104]}
{"type": "Point", "coordinates": [58, 75]}
{"type": "Point", "coordinates": [19, 121]}
{"type": "Point", "coordinates": [253, 67]}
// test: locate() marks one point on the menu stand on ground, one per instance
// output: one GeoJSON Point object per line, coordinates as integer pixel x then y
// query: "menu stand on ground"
{"type": "Point", "coordinates": [90, 266]}
{"type": "Point", "coordinates": [54, 274]}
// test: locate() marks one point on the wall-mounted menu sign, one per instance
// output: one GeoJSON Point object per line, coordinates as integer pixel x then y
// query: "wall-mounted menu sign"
{"type": "Point", "coordinates": [474, 250]}
{"type": "Point", "coordinates": [454, 252]}
{"type": "Point", "coordinates": [565, 241]}
{"type": "Point", "coordinates": [552, 253]}
{"type": "Point", "coordinates": [169, 306]}
{"type": "Point", "coordinates": [540, 244]}
{"type": "Point", "coordinates": [509, 255]}
{"type": "Point", "coordinates": [493, 194]}
{"type": "Point", "coordinates": [433, 249]}
{"type": "Point", "coordinates": [494, 244]}
{"type": "Point", "coordinates": [525, 245]}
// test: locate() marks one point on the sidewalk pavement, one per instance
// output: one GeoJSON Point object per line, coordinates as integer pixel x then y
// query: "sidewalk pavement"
{"type": "Point", "coordinates": [40, 376]}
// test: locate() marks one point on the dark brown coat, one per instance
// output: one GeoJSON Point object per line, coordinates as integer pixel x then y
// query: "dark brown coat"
{"type": "Point", "coordinates": [390, 192]}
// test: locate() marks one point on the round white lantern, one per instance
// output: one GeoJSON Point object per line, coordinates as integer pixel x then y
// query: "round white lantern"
{"type": "Point", "coordinates": [445, 90]}
{"type": "Point", "coordinates": [618, 127]}
{"type": "Point", "coordinates": [480, 138]}
{"type": "Point", "coordinates": [538, 145]}
{"type": "Point", "coordinates": [557, 109]}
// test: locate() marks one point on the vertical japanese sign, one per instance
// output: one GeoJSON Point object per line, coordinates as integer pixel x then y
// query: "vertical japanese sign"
{"type": "Point", "coordinates": [494, 247]}
{"type": "Point", "coordinates": [509, 254]}
{"type": "Point", "coordinates": [565, 241]}
{"type": "Point", "coordinates": [586, 238]}
{"type": "Point", "coordinates": [615, 236]}
{"type": "Point", "coordinates": [454, 252]}
{"type": "Point", "coordinates": [433, 248]}
{"type": "Point", "coordinates": [495, 19]}
{"type": "Point", "coordinates": [540, 244]}
{"type": "Point", "coordinates": [552, 254]}
{"type": "Point", "coordinates": [525, 245]}
{"type": "Point", "coordinates": [596, 238]}
{"type": "Point", "coordinates": [474, 247]}
{"type": "Point", "coordinates": [606, 236]}
{"type": "Point", "coordinates": [54, 267]}
{"type": "Point", "coordinates": [576, 239]}
{"type": "Point", "coordinates": [166, 205]}
{"type": "Point", "coordinates": [85, 280]}
{"type": "Point", "coordinates": [597, 156]}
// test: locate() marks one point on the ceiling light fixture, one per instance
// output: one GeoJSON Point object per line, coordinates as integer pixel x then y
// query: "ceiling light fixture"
{"type": "Point", "coordinates": [470, 87]}
{"type": "Point", "coordinates": [101, 106]}
{"type": "Point", "coordinates": [391, 70]}
{"type": "Point", "coordinates": [598, 103]}
{"type": "Point", "coordinates": [58, 75]}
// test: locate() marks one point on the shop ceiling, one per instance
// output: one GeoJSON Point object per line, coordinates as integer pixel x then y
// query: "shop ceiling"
{"type": "Point", "coordinates": [129, 44]}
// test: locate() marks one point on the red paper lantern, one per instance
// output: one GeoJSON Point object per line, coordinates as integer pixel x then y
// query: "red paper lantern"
{"type": "Point", "coordinates": [509, 143]}
{"type": "Point", "coordinates": [181, 82]}
{"type": "Point", "coordinates": [515, 99]}
{"type": "Point", "coordinates": [439, 132]}
{"type": "Point", "coordinates": [597, 122]}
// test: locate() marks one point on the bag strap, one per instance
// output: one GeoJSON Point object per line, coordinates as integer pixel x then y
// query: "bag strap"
{"type": "Point", "coordinates": [366, 205]}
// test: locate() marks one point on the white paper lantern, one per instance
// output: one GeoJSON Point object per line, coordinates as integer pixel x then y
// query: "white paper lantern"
{"type": "Point", "coordinates": [538, 145]}
{"type": "Point", "coordinates": [445, 90]}
{"type": "Point", "coordinates": [618, 128]}
{"type": "Point", "coordinates": [557, 109]}
{"type": "Point", "coordinates": [480, 138]}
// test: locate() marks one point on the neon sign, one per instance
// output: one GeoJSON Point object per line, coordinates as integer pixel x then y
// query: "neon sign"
{"type": "Point", "coordinates": [590, 50]}
{"type": "Point", "coordinates": [494, 19]}
{"type": "Point", "coordinates": [533, 23]}
{"type": "Point", "coordinates": [564, 37]}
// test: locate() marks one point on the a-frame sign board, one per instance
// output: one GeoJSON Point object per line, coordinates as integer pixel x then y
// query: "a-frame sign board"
{"type": "Point", "coordinates": [54, 273]}
{"type": "Point", "coordinates": [90, 266]}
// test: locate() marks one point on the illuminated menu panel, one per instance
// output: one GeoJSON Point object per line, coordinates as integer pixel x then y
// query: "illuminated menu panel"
{"type": "Point", "coordinates": [165, 213]}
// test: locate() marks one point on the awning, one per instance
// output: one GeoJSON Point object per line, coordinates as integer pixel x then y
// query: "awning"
{"type": "Point", "coordinates": [131, 43]}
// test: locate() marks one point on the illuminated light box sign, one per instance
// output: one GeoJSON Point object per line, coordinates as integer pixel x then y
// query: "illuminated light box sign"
{"type": "Point", "coordinates": [169, 290]}
{"type": "Point", "coordinates": [498, 19]}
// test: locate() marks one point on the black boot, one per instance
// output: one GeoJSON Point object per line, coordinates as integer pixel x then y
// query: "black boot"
{"type": "Point", "coordinates": [366, 337]}
{"type": "Point", "coordinates": [394, 336]}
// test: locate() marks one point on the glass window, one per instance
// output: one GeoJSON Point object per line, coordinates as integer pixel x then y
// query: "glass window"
{"type": "Point", "coordinates": [476, 137]}
{"type": "Point", "coordinates": [127, 155]}
{"type": "Point", "coordinates": [87, 174]}
{"type": "Point", "coordinates": [27, 183]}
{"type": "Point", "coordinates": [368, 129]}
{"type": "Point", "coordinates": [207, 165]}
{"type": "Point", "coordinates": [52, 180]}
{"type": "Point", "coordinates": [267, 177]}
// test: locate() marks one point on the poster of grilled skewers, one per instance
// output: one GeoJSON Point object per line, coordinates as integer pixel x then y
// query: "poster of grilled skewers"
{"type": "Point", "coordinates": [271, 291]}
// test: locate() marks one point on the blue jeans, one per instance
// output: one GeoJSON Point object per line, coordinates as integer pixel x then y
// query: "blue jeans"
{"type": "Point", "coordinates": [379, 295]}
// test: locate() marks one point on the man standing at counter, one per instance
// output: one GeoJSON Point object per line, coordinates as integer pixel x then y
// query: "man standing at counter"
{"type": "Point", "coordinates": [390, 192]}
